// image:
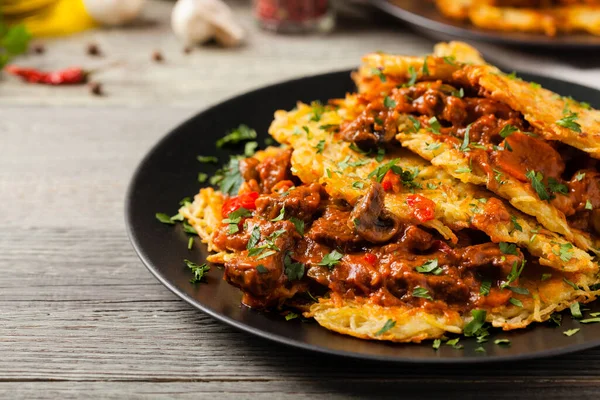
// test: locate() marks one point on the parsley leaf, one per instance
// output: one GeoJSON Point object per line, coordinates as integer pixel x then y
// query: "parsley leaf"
{"type": "Point", "coordinates": [571, 332]}
{"type": "Point", "coordinates": [320, 146]}
{"type": "Point", "coordinates": [250, 148]}
{"type": "Point", "coordinates": [579, 176]}
{"type": "Point", "coordinates": [380, 171]}
{"type": "Point", "coordinates": [476, 323]}
{"type": "Point", "coordinates": [536, 182]}
{"type": "Point", "coordinates": [164, 218]}
{"type": "Point", "coordinates": [590, 320]}
{"type": "Point", "coordinates": [434, 125]}
{"type": "Point", "coordinates": [389, 102]}
{"type": "Point", "coordinates": [254, 238]}
{"type": "Point", "coordinates": [280, 216]}
{"type": "Point", "coordinates": [291, 315]}
{"type": "Point", "coordinates": [485, 287]}
{"type": "Point", "coordinates": [508, 248]}
{"type": "Point", "coordinates": [462, 170]}
{"type": "Point", "coordinates": [240, 134]}
{"type": "Point", "coordinates": [298, 224]}
{"type": "Point", "coordinates": [573, 285]}
{"type": "Point", "coordinates": [507, 130]}
{"type": "Point", "coordinates": [465, 144]}
{"type": "Point", "coordinates": [229, 177]}
{"type": "Point", "coordinates": [262, 269]}
{"type": "Point", "coordinates": [198, 270]}
{"type": "Point", "coordinates": [565, 252]}
{"type": "Point", "coordinates": [433, 146]}
{"type": "Point", "coordinates": [378, 72]}
{"type": "Point", "coordinates": [413, 76]}
{"type": "Point", "coordinates": [202, 177]}
{"type": "Point", "coordinates": [317, 109]}
{"type": "Point", "coordinates": [425, 70]}
{"type": "Point", "coordinates": [515, 302]}
{"type": "Point", "coordinates": [460, 93]}
{"type": "Point", "coordinates": [430, 267]}
{"type": "Point", "coordinates": [516, 225]}
{"type": "Point", "coordinates": [451, 60]}
{"type": "Point", "coordinates": [389, 324]}
{"type": "Point", "coordinates": [556, 187]}
{"type": "Point", "coordinates": [331, 259]}
{"type": "Point", "coordinates": [504, 342]}
{"type": "Point", "coordinates": [588, 205]}
{"type": "Point", "coordinates": [436, 344]}
{"type": "Point", "coordinates": [568, 122]}
{"type": "Point", "coordinates": [293, 270]}
{"type": "Point", "coordinates": [421, 292]}
{"type": "Point", "coordinates": [416, 124]}
{"type": "Point", "coordinates": [556, 319]}
{"type": "Point", "coordinates": [546, 277]}
{"type": "Point", "coordinates": [576, 310]}
{"type": "Point", "coordinates": [207, 159]}
{"type": "Point", "coordinates": [514, 274]}
{"type": "Point", "coordinates": [234, 218]}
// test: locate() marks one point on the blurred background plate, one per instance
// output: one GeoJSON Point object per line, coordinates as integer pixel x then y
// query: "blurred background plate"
{"type": "Point", "coordinates": [424, 15]}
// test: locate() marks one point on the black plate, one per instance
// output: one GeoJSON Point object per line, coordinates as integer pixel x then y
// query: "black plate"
{"type": "Point", "coordinates": [168, 174]}
{"type": "Point", "coordinates": [424, 15]}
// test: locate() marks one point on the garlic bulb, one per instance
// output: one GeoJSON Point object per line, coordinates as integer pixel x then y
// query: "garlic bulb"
{"type": "Point", "coordinates": [113, 12]}
{"type": "Point", "coordinates": [196, 21]}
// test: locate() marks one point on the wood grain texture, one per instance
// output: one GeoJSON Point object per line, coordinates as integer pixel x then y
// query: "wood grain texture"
{"type": "Point", "coordinates": [80, 317]}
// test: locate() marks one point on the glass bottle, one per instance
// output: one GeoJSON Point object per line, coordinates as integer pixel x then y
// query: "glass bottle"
{"type": "Point", "coordinates": [295, 16]}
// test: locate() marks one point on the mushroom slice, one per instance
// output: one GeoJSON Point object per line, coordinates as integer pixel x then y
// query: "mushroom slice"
{"type": "Point", "coordinates": [371, 220]}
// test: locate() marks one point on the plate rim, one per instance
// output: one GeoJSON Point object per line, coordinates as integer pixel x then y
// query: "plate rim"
{"type": "Point", "coordinates": [423, 23]}
{"type": "Point", "coordinates": [154, 270]}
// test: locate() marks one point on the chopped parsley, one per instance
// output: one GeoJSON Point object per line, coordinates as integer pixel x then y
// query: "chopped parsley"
{"type": "Point", "coordinates": [579, 176]}
{"type": "Point", "coordinates": [389, 324]}
{"type": "Point", "coordinates": [504, 342]}
{"type": "Point", "coordinates": [293, 270]}
{"type": "Point", "coordinates": [202, 177]}
{"type": "Point", "coordinates": [207, 159]}
{"type": "Point", "coordinates": [320, 146]}
{"type": "Point", "coordinates": [254, 237]}
{"type": "Point", "coordinates": [380, 171]}
{"type": "Point", "coordinates": [421, 292]}
{"type": "Point", "coordinates": [436, 344]}
{"type": "Point", "coordinates": [425, 70]}
{"type": "Point", "coordinates": [434, 125]}
{"type": "Point", "coordinates": [451, 60]}
{"type": "Point", "coordinates": [229, 177]}
{"type": "Point", "coordinates": [460, 93]}
{"type": "Point", "coordinates": [519, 290]}
{"type": "Point", "coordinates": [573, 285]}
{"type": "Point", "coordinates": [515, 302]}
{"type": "Point", "coordinates": [590, 320]}
{"type": "Point", "coordinates": [413, 76]}
{"type": "Point", "coordinates": [556, 319]}
{"type": "Point", "coordinates": [164, 218]}
{"type": "Point", "coordinates": [514, 274]}
{"type": "Point", "coordinates": [266, 254]}
{"type": "Point", "coordinates": [378, 72]}
{"type": "Point", "coordinates": [291, 315]}
{"type": "Point", "coordinates": [430, 267]}
{"type": "Point", "coordinates": [298, 224]}
{"type": "Point", "coordinates": [571, 332]}
{"type": "Point", "coordinates": [187, 228]}
{"type": "Point", "coordinates": [240, 134]}
{"type": "Point", "coordinates": [331, 259]}
{"type": "Point", "coordinates": [545, 277]}
{"type": "Point", "coordinates": [536, 182]}
{"type": "Point", "coordinates": [480, 349]}
{"type": "Point", "coordinates": [535, 85]}
{"type": "Point", "coordinates": [588, 205]}
{"type": "Point", "coordinates": [485, 287]}
{"type": "Point", "coordinates": [508, 248]}
{"type": "Point", "coordinates": [462, 170]}
{"type": "Point", "coordinates": [576, 310]}
{"type": "Point", "coordinates": [262, 269]}
{"type": "Point", "coordinates": [556, 187]}
{"type": "Point", "coordinates": [568, 121]}
{"type": "Point", "coordinates": [198, 270]}
{"type": "Point", "coordinates": [358, 184]}
{"type": "Point", "coordinates": [454, 343]}
{"type": "Point", "coordinates": [190, 243]}
{"type": "Point", "coordinates": [389, 102]}
{"type": "Point", "coordinates": [280, 216]}
{"type": "Point", "coordinates": [465, 144]}
{"type": "Point", "coordinates": [317, 109]}
{"type": "Point", "coordinates": [431, 186]}
{"type": "Point", "coordinates": [476, 323]}
{"type": "Point", "coordinates": [507, 130]}
{"type": "Point", "coordinates": [380, 154]}
{"type": "Point", "coordinates": [250, 148]}
{"type": "Point", "coordinates": [235, 217]}
{"type": "Point", "coordinates": [416, 124]}
{"type": "Point", "coordinates": [516, 225]}
{"type": "Point", "coordinates": [433, 146]}
{"type": "Point", "coordinates": [565, 252]}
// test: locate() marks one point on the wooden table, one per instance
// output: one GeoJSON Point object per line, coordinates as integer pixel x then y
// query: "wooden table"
{"type": "Point", "coordinates": [79, 314]}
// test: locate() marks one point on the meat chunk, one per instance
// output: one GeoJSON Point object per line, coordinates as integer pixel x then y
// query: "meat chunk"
{"type": "Point", "coordinates": [332, 229]}
{"type": "Point", "coordinates": [273, 170]}
{"type": "Point", "coordinates": [300, 202]}
{"type": "Point", "coordinates": [490, 255]}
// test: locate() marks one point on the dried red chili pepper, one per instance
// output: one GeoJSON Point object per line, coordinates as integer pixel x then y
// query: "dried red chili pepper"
{"type": "Point", "coordinates": [68, 76]}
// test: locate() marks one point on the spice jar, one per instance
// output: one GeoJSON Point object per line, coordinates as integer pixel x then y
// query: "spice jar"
{"type": "Point", "coordinates": [294, 16]}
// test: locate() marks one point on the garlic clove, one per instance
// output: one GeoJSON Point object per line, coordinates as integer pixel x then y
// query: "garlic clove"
{"type": "Point", "coordinates": [114, 12]}
{"type": "Point", "coordinates": [196, 21]}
